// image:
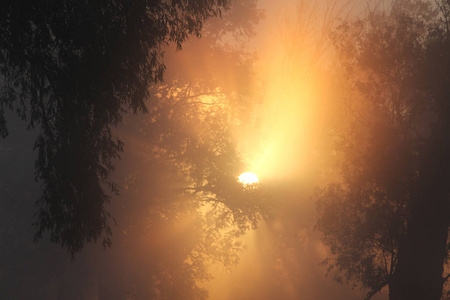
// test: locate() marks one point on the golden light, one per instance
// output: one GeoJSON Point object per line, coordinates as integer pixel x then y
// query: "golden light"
{"type": "Point", "coordinates": [294, 108]}
{"type": "Point", "coordinates": [248, 178]}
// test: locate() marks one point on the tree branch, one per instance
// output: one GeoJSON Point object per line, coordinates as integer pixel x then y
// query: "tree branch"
{"type": "Point", "coordinates": [377, 289]}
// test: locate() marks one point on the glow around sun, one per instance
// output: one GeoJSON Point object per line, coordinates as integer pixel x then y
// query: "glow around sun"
{"type": "Point", "coordinates": [248, 178]}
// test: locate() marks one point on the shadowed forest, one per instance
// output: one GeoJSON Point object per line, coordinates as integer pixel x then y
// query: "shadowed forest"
{"type": "Point", "coordinates": [224, 149]}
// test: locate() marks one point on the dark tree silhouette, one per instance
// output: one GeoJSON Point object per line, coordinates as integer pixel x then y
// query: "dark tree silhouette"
{"type": "Point", "coordinates": [387, 222]}
{"type": "Point", "coordinates": [72, 69]}
{"type": "Point", "coordinates": [181, 207]}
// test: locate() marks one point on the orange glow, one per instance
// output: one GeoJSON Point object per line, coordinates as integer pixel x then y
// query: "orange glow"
{"type": "Point", "coordinates": [285, 139]}
{"type": "Point", "coordinates": [248, 178]}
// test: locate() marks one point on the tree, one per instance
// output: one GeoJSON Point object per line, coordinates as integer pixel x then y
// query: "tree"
{"type": "Point", "coordinates": [73, 69]}
{"type": "Point", "coordinates": [387, 221]}
{"type": "Point", "coordinates": [181, 207]}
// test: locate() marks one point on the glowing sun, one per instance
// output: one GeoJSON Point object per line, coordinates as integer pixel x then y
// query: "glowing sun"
{"type": "Point", "coordinates": [248, 178]}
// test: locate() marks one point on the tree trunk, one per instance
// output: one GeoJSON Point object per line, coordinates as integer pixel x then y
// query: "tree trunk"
{"type": "Point", "coordinates": [422, 253]}
{"type": "Point", "coordinates": [420, 261]}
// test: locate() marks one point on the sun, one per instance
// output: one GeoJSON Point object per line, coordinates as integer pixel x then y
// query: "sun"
{"type": "Point", "coordinates": [248, 178]}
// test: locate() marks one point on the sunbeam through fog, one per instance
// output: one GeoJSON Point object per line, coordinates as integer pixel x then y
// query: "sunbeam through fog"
{"type": "Point", "coordinates": [224, 150]}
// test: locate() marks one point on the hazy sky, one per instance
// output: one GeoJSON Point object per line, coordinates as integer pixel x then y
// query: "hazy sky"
{"type": "Point", "coordinates": [283, 148]}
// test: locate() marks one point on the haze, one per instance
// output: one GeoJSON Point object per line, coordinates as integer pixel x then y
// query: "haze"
{"type": "Point", "coordinates": [262, 91]}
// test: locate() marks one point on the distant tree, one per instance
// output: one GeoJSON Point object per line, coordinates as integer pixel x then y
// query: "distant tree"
{"type": "Point", "coordinates": [72, 69]}
{"type": "Point", "coordinates": [387, 222]}
{"type": "Point", "coordinates": [181, 207]}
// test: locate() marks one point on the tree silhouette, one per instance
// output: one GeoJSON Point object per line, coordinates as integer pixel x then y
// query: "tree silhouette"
{"type": "Point", "coordinates": [182, 208]}
{"type": "Point", "coordinates": [72, 69]}
{"type": "Point", "coordinates": [387, 221]}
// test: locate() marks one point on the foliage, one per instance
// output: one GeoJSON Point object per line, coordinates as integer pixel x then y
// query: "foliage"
{"type": "Point", "coordinates": [391, 145]}
{"type": "Point", "coordinates": [198, 139]}
{"type": "Point", "coordinates": [73, 68]}
{"type": "Point", "coordinates": [183, 208]}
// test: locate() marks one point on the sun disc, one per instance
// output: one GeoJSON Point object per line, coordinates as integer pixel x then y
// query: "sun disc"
{"type": "Point", "coordinates": [248, 178]}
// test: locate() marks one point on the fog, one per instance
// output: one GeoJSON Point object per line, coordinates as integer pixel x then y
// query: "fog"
{"type": "Point", "coordinates": [259, 92]}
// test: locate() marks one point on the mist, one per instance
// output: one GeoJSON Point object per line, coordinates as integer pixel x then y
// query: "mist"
{"type": "Point", "coordinates": [291, 91]}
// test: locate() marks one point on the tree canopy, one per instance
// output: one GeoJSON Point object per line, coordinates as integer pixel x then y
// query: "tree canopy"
{"type": "Point", "coordinates": [387, 221]}
{"type": "Point", "coordinates": [72, 69]}
{"type": "Point", "coordinates": [168, 232]}
{"type": "Point", "coordinates": [182, 208]}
